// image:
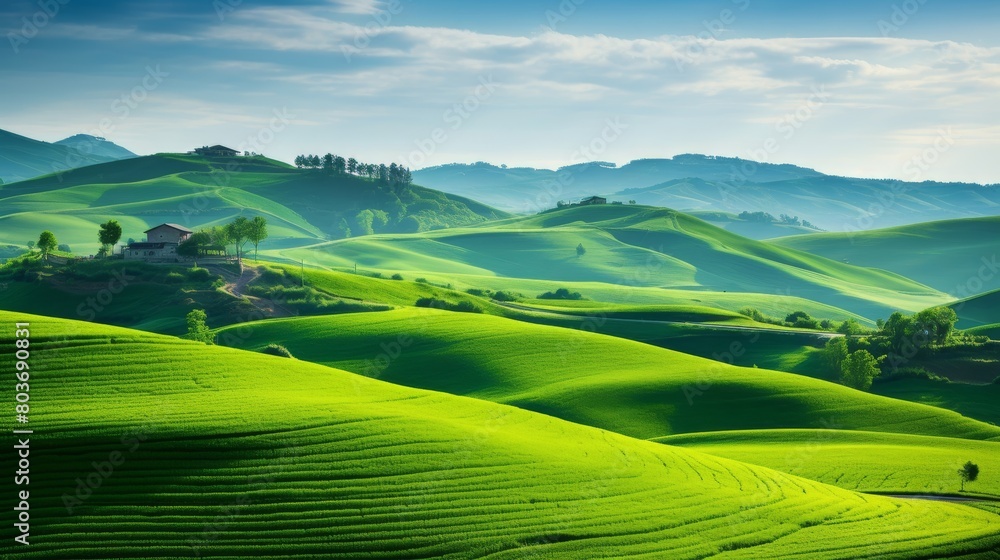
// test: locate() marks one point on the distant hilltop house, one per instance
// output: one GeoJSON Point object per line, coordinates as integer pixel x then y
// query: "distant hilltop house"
{"type": "Point", "coordinates": [160, 245]}
{"type": "Point", "coordinates": [215, 151]}
{"type": "Point", "coordinates": [593, 200]}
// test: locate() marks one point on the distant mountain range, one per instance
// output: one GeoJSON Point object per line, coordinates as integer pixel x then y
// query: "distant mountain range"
{"type": "Point", "coordinates": [709, 184]}
{"type": "Point", "coordinates": [23, 158]}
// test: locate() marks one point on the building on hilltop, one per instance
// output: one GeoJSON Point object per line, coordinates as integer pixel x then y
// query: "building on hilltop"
{"type": "Point", "coordinates": [593, 200]}
{"type": "Point", "coordinates": [160, 245]}
{"type": "Point", "coordinates": [215, 151]}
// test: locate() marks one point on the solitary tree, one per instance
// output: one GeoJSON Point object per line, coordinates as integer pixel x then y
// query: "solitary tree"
{"type": "Point", "coordinates": [256, 232]}
{"type": "Point", "coordinates": [31, 245]}
{"type": "Point", "coordinates": [968, 473]}
{"type": "Point", "coordinates": [110, 233]}
{"type": "Point", "coordinates": [197, 326]}
{"type": "Point", "coordinates": [47, 243]}
{"type": "Point", "coordinates": [580, 251]}
{"type": "Point", "coordinates": [237, 233]}
{"type": "Point", "coordinates": [859, 370]}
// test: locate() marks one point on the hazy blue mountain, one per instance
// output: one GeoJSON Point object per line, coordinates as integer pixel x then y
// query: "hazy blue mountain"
{"type": "Point", "coordinates": [717, 184]}
{"type": "Point", "coordinates": [24, 158]}
{"type": "Point", "coordinates": [96, 146]}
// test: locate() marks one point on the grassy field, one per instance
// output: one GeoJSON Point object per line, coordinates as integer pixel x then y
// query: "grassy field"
{"type": "Point", "coordinates": [978, 311]}
{"type": "Point", "coordinates": [626, 246]}
{"type": "Point", "coordinates": [862, 461]}
{"type": "Point", "coordinates": [612, 383]}
{"type": "Point", "coordinates": [954, 256]}
{"type": "Point", "coordinates": [302, 207]}
{"type": "Point", "coordinates": [236, 454]}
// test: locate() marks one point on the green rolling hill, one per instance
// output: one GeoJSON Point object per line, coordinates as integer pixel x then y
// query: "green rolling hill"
{"type": "Point", "coordinates": [958, 257]}
{"type": "Point", "coordinates": [616, 384]}
{"type": "Point", "coordinates": [301, 206]}
{"type": "Point", "coordinates": [626, 245]}
{"type": "Point", "coordinates": [96, 146]}
{"type": "Point", "coordinates": [334, 465]}
{"type": "Point", "coordinates": [982, 311]}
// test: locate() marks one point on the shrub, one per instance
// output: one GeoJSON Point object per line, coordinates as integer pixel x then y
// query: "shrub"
{"type": "Point", "coordinates": [507, 296]}
{"type": "Point", "coordinates": [174, 278]}
{"type": "Point", "coordinates": [561, 293]}
{"type": "Point", "coordinates": [421, 281]}
{"type": "Point", "coordinates": [277, 350]}
{"type": "Point", "coordinates": [797, 316]}
{"type": "Point", "coordinates": [199, 274]}
{"type": "Point", "coordinates": [64, 248]}
{"type": "Point", "coordinates": [397, 276]}
{"type": "Point", "coordinates": [436, 303]}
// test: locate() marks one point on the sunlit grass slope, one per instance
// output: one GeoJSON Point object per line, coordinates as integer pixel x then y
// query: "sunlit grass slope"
{"type": "Point", "coordinates": [301, 206]}
{"type": "Point", "coordinates": [947, 255]}
{"type": "Point", "coordinates": [631, 246]}
{"type": "Point", "coordinates": [231, 454]}
{"type": "Point", "coordinates": [863, 461]}
{"type": "Point", "coordinates": [621, 385]}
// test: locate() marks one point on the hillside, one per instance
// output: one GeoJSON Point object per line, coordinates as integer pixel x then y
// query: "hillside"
{"type": "Point", "coordinates": [335, 465]}
{"type": "Point", "coordinates": [626, 245]}
{"type": "Point", "coordinates": [96, 146]}
{"type": "Point", "coordinates": [523, 189]}
{"type": "Point", "coordinates": [301, 206]}
{"type": "Point", "coordinates": [611, 383]}
{"type": "Point", "coordinates": [978, 311]}
{"type": "Point", "coordinates": [23, 158]}
{"type": "Point", "coordinates": [719, 184]}
{"type": "Point", "coordinates": [954, 256]}
{"type": "Point", "coordinates": [353, 467]}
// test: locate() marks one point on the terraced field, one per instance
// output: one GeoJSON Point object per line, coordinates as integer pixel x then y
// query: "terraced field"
{"type": "Point", "coordinates": [863, 461]}
{"type": "Point", "coordinates": [333, 464]}
{"type": "Point", "coordinates": [612, 383]}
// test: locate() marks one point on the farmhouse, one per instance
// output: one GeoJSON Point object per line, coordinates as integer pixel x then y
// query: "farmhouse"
{"type": "Point", "coordinates": [215, 151]}
{"type": "Point", "coordinates": [593, 200]}
{"type": "Point", "coordinates": [160, 245]}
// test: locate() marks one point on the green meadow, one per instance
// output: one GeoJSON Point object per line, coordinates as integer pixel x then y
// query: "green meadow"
{"type": "Point", "coordinates": [332, 464]}
{"type": "Point", "coordinates": [599, 381]}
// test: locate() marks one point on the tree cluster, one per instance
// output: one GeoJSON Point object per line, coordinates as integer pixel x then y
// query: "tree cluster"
{"type": "Point", "coordinates": [392, 174]}
{"type": "Point", "coordinates": [238, 233]}
{"type": "Point", "coordinates": [767, 218]}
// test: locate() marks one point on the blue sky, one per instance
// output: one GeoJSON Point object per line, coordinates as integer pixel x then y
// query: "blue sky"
{"type": "Point", "coordinates": [901, 89]}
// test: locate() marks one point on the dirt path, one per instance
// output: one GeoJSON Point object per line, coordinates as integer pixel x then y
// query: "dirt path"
{"type": "Point", "coordinates": [236, 286]}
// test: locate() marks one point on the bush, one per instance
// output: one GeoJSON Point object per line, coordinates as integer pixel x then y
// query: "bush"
{"type": "Point", "coordinates": [199, 274]}
{"type": "Point", "coordinates": [174, 278]}
{"type": "Point", "coordinates": [64, 248]}
{"type": "Point", "coordinates": [561, 293]}
{"type": "Point", "coordinates": [462, 306]}
{"type": "Point", "coordinates": [507, 296]}
{"type": "Point", "coordinates": [397, 276]}
{"type": "Point", "coordinates": [277, 350]}
{"type": "Point", "coordinates": [421, 281]}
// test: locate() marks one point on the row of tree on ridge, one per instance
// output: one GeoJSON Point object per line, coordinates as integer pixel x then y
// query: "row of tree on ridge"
{"type": "Point", "coordinates": [392, 174]}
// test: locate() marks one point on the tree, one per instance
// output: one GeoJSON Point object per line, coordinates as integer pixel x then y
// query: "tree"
{"type": "Point", "coordinates": [256, 232]}
{"type": "Point", "coordinates": [300, 161]}
{"type": "Point", "coordinates": [859, 370]}
{"type": "Point", "coordinates": [47, 243]}
{"type": "Point", "coordinates": [110, 233]}
{"type": "Point", "coordinates": [352, 166]}
{"type": "Point", "coordinates": [31, 246]}
{"type": "Point", "coordinates": [237, 233]}
{"type": "Point", "coordinates": [937, 323]}
{"type": "Point", "coordinates": [580, 251]}
{"type": "Point", "coordinates": [197, 326]}
{"type": "Point", "coordinates": [835, 353]}
{"type": "Point", "coordinates": [968, 473]}
{"type": "Point", "coordinates": [850, 327]}
{"type": "Point", "coordinates": [899, 329]}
